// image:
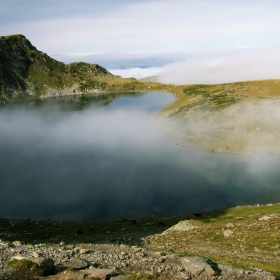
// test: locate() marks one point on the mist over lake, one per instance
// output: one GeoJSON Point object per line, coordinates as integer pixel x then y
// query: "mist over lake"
{"type": "Point", "coordinates": [104, 162]}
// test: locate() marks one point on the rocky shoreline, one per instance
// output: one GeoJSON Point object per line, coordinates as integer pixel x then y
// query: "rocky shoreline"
{"type": "Point", "coordinates": [110, 261]}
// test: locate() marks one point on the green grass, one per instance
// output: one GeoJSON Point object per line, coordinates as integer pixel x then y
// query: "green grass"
{"type": "Point", "coordinates": [17, 268]}
{"type": "Point", "coordinates": [254, 242]}
{"type": "Point", "coordinates": [202, 115]}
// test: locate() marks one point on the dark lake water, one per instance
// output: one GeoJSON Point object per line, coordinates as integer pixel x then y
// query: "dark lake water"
{"type": "Point", "coordinates": [107, 161]}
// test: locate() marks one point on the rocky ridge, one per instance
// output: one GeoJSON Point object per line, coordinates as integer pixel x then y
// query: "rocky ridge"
{"type": "Point", "coordinates": [107, 261]}
{"type": "Point", "coordinates": [26, 72]}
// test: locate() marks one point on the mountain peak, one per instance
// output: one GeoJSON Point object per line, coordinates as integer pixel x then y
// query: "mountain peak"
{"type": "Point", "coordinates": [16, 41]}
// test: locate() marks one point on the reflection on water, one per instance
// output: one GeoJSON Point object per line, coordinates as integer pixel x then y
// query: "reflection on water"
{"type": "Point", "coordinates": [74, 102]}
{"type": "Point", "coordinates": [110, 161]}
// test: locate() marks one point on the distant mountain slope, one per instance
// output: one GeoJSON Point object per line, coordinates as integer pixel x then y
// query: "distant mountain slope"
{"type": "Point", "coordinates": [26, 72]}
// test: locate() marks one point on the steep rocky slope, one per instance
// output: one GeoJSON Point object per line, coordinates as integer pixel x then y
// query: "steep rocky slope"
{"type": "Point", "coordinates": [26, 72]}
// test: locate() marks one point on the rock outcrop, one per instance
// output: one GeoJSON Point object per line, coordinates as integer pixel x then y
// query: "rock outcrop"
{"type": "Point", "coordinates": [26, 71]}
{"type": "Point", "coordinates": [182, 226]}
{"type": "Point", "coordinates": [198, 266]}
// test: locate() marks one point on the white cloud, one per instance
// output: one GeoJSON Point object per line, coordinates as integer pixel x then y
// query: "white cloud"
{"type": "Point", "coordinates": [235, 65]}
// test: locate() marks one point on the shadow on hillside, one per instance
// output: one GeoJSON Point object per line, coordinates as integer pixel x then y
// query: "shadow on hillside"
{"type": "Point", "coordinates": [121, 231]}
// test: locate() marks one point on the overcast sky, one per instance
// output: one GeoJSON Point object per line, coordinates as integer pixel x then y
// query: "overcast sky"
{"type": "Point", "coordinates": [66, 29]}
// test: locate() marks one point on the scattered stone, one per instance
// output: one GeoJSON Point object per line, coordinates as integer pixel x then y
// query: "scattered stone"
{"type": "Point", "coordinates": [67, 275]}
{"type": "Point", "coordinates": [84, 251]}
{"type": "Point", "coordinates": [161, 253]}
{"type": "Point", "coordinates": [47, 264]}
{"type": "Point", "coordinates": [77, 249]}
{"type": "Point", "coordinates": [269, 217]}
{"type": "Point", "coordinates": [181, 226]}
{"type": "Point", "coordinates": [237, 273]}
{"type": "Point", "coordinates": [230, 225]}
{"type": "Point", "coordinates": [110, 258]}
{"type": "Point", "coordinates": [197, 266]}
{"type": "Point", "coordinates": [17, 243]}
{"type": "Point", "coordinates": [35, 254]}
{"type": "Point", "coordinates": [227, 233]}
{"type": "Point", "coordinates": [19, 257]}
{"type": "Point", "coordinates": [100, 273]}
{"type": "Point", "coordinates": [76, 264]}
{"type": "Point", "coordinates": [121, 277]}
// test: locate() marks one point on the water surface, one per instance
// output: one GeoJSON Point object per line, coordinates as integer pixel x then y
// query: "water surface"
{"type": "Point", "coordinates": [110, 161]}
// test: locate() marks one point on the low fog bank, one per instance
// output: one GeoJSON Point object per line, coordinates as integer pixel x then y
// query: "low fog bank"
{"type": "Point", "coordinates": [111, 162]}
{"type": "Point", "coordinates": [231, 66]}
{"type": "Point", "coordinates": [200, 66]}
{"type": "Point", "coordinates": [138, 73]}
{"type": "Point", "coordinates": [246, 126]}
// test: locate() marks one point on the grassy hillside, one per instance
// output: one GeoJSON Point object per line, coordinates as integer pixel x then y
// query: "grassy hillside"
{"type": "Point", "coordinates": [233, 117]}
{"type": "Point", "coordinates": [246, 236]}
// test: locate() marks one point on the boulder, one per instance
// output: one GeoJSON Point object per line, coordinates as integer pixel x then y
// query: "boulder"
{"type": "Point", "coordinates": [28, 268]}
{"type": "Point", "coordinates": [182, 226]}
{"type": "Point", "coordinates": [230, 225]}
{"type": "Point", "coordinates": [99, 273]}
{"type": "Point", "coordinates": [227, 233]}
{"type": "Point", "coordinates": [84, 251]}
{"type": "Point", "coordinates": [76, 264]}
{"type": "Point", "coordinates": [197, 266]}
{"type": "Point", "coordinates": [67, 275]}
{"type": "Point", "coordinates": [46, 264]}
{"type": "Point", "coordinates": [17, 243]}
{"type": "Point", "coordinates": [236, 273]}
{"type": "Point", "coordinates": [269, 217]}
